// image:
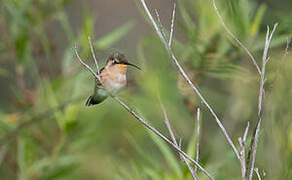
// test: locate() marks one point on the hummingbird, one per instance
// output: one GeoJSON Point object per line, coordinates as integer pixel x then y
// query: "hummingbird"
{"type": "Point", "coordinates": [113, 78]}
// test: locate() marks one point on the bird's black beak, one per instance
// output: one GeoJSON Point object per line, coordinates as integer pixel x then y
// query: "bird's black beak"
{"type": "Point", "coordinates": [130, 64]}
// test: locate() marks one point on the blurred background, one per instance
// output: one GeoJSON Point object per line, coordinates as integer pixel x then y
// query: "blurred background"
{"type": "Point", "coordinates": [46, 132]}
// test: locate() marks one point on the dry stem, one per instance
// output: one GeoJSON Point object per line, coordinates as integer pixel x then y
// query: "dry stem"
{"type": "Point", "coordinates": [182, 72]}
{"type": "Point", "coordinates": [193, 172]}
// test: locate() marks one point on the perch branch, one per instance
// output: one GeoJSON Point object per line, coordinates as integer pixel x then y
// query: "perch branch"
{"type": "Point", "coordinates": [175, 147]}
{"type": "Point", "coordinates": [143, 122]}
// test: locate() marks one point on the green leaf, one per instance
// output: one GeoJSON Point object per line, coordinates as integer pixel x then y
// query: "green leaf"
{"type": "Point", "coordinates": [191, 148]}
{"type": "Point", "coordinates": [109, 39]}
{"type": "Point", "coordinates": [226, 70]}
{"type": "Point", "coordinates": [190, 26]}
{"type": "Point", "coordinates": [149, 160]}
{"type": "Point", "coordinates": [254, 29]}
{"type": "Point", "coordinates": [63, 18]}
{"type": "Point", "coordinates": [54, 169]}
{"type": "Point", "coordinates": [168, 155]}
{"type": "Point", "coordinates": [21, 46]}
{"type": "Point", "coordinates": [21, 162]}
{"type": "Point", "coordinates": [70, 116]}
{"type": "Point", "coordinates": [68, 59]}
{"type": "Point", "coordinates": [152, 173]}
{"type": "Point", "coordinates": [4, 126]}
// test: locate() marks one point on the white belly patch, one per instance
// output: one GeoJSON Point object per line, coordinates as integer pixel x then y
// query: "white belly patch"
{"type": "Point", "coordinates": [117, 84]}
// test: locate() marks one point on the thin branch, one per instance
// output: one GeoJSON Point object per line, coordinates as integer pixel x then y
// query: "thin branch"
{"type": "Point", "coordinates": [182, 72]}
{"type": "Point", "coordinates": [258, 174]}
{"type": "Point", "coordinates": [198, 137]}
{"type": "Point", "coordinates": [242, 141]}
{"type": "Point", "coordinates": [175, 147]}
{"type": "Point", "coordinates": [288, 41]}
{"type": "Point", "coordinates": [172, 25]}
{"type": "Point", "coordinates": [235, 38]}
{"type": "Point", "coordinates": [246, 132]}
{"type": "Point", "coordinates": [166, 120]}
{"type": "Point", "coordinates": [84, 64]}
{"type": "Point", "coordinates": [194, 174]}
{"type": "Point", "coordinates": [254, 147]}
{"type": "Point", "coordinates": [160, 24]}
{"type": "Point", "coordinates": [254, 141]}
{"type": "Point", "coordinates": [93, 54]}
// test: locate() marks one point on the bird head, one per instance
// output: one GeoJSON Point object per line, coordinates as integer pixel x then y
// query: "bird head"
{"type": "Point", "coordinates": [119, 60]}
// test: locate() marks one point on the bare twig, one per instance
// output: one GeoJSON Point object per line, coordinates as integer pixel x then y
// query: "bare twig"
{"type": "Point", "coordinates": [258, 174]}
{"type": "Point", "coordinates": [182, 72]}
{"type": "Point", "coordinates": [288, 41]}
{"type": "Point", "coordinates": [254, 141]}
{"type": "Point", "coordinates": [252, 150]}
{"type": "Point", "coordinates": [93, 54]}
{"type": "Point", "coordinates": [175, 147]}
{"type": "Point", "coordinates": [194, 174]}
{"type": "Point", "coordinates": [246, 132]}
{"type": "Point", "coordinates": [235, 38]}
{"type": "Point", "coordinates": [172, 25]}
{"type": "Point", "coordinates": [264, 173]}
{"type": "Point", "coordinates": [242, 141]}
{"type": "Point", "coordinates": [160, 24]}
{"type": "Point", "coordinates": [84, 64]}
{"type": "Point", "coordinates": [198, 137]}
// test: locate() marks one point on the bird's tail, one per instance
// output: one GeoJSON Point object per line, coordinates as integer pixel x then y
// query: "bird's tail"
{"type": "Point", "coordinates": [93, 101]}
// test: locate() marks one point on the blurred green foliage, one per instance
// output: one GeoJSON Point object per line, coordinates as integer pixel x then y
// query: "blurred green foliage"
{"type": "Point", "coordinates": [105, 142]}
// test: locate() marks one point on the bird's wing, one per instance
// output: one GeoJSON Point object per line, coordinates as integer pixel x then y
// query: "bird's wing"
{"type": "Point", "coordinates": [97, 82]}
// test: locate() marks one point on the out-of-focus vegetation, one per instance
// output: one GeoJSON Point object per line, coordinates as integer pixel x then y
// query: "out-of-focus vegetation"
{"type": "Point", "coordinates": [105, 142]}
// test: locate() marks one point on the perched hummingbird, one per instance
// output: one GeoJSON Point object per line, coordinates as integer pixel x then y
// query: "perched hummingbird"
{"type": "Point", "coordinates": [112, 78]}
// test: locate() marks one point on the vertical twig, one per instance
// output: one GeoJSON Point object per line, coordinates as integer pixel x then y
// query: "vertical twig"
{"type": "Point", "coordinates": [185, 76]}
{"type": "Point", "coordinates": [172, 25]}
{"type": "Point", "coordinates": [254, 140]}
{"type": "Point", "coordinates": [235, 38]}
{"type": "Point", "coordinates": [254, 143]}
{"type": "Point", "coordinates": [198, 137]}
{"type": "Point", "coordinates": [93, 54]}
{"type": "Point", "coordinates": [242, 141]}
{"type": "Point", "coordinates": [166, 120]}
{"type": "Point", "coordinates": [161, 28]}
{"type": "Point", "coordinates": [288, 41]}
